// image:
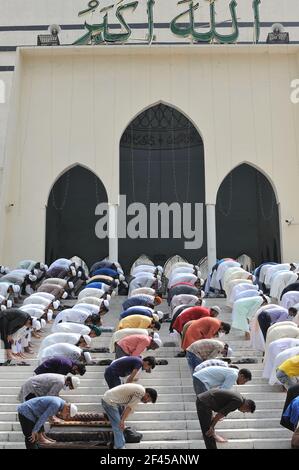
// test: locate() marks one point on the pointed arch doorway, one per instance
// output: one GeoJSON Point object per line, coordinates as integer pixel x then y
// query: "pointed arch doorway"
{"type": "Point", "coordinates": [71, 219]}
{"type": "Point", "coordinates": [247, 216]}
{"type": "Point", "coordinates": [162, 161]}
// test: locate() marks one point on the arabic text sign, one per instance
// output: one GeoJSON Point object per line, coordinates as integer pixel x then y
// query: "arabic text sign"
{"type": "Point", "coordinates": [100, 32]}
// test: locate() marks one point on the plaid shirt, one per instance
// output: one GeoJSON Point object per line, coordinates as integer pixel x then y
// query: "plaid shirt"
{"type": "Point", "coordinates": [206, 348]}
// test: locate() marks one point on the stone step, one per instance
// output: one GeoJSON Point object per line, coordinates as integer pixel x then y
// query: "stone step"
{"type": "Point", "coordinates": [161, 389]}
{"type": "Point", "coordinates": [173, 434]}
{"type": "Point", "coordinates": [265, 443]}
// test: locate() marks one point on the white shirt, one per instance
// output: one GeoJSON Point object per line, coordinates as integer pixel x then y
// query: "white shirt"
{"type": "Point", "coordinates": [56, 338]}
{"type": "Point", "coordinates": [72, 315]}
{"type": "Point", "coordinates": [68, 327]}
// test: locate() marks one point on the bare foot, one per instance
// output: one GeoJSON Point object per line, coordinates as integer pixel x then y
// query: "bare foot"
{"type": "Point", "coordinates": [45, 440]}
{"type": "Point", "coordinates": [220, 439]}
{"type": "Point", "coordinates": [48, 438]}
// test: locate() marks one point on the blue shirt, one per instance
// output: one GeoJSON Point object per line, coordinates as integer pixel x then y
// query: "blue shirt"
{"type": "Point", "coordinates": [137, 311]}
{"type": "Point", "coordinates": [55, 365]}
{"type": "Point", "coordinates": [124, 366]}
{"type": "Point", "coordinates": [217, 377]}
{"type": "Point", "coordinates": [105, 272]}
{"type": "Point", "coordinates": [277, 315]}
{"type": "Point", "coordinates": [38, 410]}
{"type": "Point", "coordinates": [135, 301]}
{"type": "Point", "coordinates": [292, 412]}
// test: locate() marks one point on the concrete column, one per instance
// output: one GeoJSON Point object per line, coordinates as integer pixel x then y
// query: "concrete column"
{"type": "Point", "coordinates": [113, 230]}
{"type": "Point", "coordinates": [211, 235]}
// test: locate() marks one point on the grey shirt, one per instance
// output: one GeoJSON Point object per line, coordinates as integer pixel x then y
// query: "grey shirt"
{"type": "Point", "coordinates": [221, 401]}
{"type": "Point", "coordinates": [42, 385]}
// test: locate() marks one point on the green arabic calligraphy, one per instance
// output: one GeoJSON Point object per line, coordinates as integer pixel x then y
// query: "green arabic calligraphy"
{"type": "Point", "coordinates": [100, 33]}
{"type": "Point", "coordinates": [150, 17]}
{"type": "Point", "coordinates": [209, 36]}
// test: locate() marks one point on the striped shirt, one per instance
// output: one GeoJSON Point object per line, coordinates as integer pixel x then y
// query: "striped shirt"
{"type": "Point", "coordinates": [206, 348]}
{"type": "Point", "coordinates": [210, 363]}
{"type": "Point", "coordinates": [125, 395]}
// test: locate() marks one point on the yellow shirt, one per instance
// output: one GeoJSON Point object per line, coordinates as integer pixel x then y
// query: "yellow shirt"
{"type": "Point", "coordinates": [290, 366]}
{"type": "Point", "coordinates": [135, 321]}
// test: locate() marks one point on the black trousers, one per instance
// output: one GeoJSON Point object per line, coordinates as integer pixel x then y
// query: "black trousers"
{"type": "Point", "coordinates": [264, 321]}
{"type": "Point", "coordinates": [205, 418]}
{"type": "Point", "coordinates": [27, 428]}
{"type": "Point", "coordinates": [293, 392]}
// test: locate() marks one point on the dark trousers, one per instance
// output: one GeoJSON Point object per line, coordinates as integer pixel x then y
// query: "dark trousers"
{"type": "Point", "coordinates": [264, 320]}
{"type": "Point", "coordinates": [113, 381]}
{"type": "Point", "coordinates": [205, 418]}
{"type": "Point", "coordinates": [119, 352]}
{"type": "Point", "coordinates": [293, 392]}
{"type": "Point", "coordinates": [27, 428]}
{"type": "Point", "coordinates": [199, 386]}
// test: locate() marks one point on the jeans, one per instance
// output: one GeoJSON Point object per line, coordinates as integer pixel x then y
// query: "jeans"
{"type": "Point", "coordinates": [205, 418]}
{"type": "Point", "coordinates": [193, 360]}
{"type": "Point", "coordinates": [27, 427]}
{"type": "Point", "coordinates": [285, 380]}
{"type": "Point", "coordinates": [29, 397]}
{"type": "Point", "coordinates": [199, 387]}
{"type": "Point", "coordinates": [293, 392]}
{"type": "Point", "coordinates": [114, 418]}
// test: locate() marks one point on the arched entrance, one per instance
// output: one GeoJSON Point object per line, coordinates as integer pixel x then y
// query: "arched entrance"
{"type": "Point", "coordinates": [71, 219]}
{"type": "Point", "coordinates": [247, 217]}
{"type": "Point", "coordinates": [162, 161]}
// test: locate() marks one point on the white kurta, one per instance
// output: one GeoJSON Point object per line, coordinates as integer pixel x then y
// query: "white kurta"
{"type": "Point", "coordinates": [256, 336]}
{"type": "Point", "coordinates": [237, 287]}
{"type": "Point", "coordinates": [61, 349]}
{"type": "Point", "coordinates": [91, 301]}
{"type": "Point", "coordinates": [263, 272]}
{"type": "Point", "coordinates": [228, 273]}
{"type": "Point", "coordinates": [183, 299]}
{"type": "Point", "coordinates": [274, 269]}
{"type": "Point", "coordinates": [33, 310]}
{"type": "Point", "coordinates": [278, 331]}
{"type": "Point", "coordinates": [68, 327]}
{"type": "Point", "coordinates": [246, 294]}
{"type": "Point", "coordinates": [37, 299]}
{"type": "Point", "coordinates": [290, 299]}
{"type": "Point", "coordinates": [73, 315]}
{"type": "Point", "coordinates": [143, 280]}
{"type": "Point", "coordinates": [275, 348]}
{"type": "Point", "coordinates": [190, 278]}
{"type": "Point", "coordinates": [223, 267]}
{"type": "Point", "coordinates": [237, 275]}
{"type": "Point", "coordinates": [280, 358]}
{"type": "Point", "coordinates": [55, 338]}
{"type": "Point", "coordinates": [92, 309]}
{"type": "Point", "coordinates": [91, 292]}
{"type": "Point", "coordinates": [280, 281]}
{"type": "Point", "coordinates": [45, 295]}
{"type": "Point", "coordinates": [146, 268]}
{"type": "Point", "coordinates": [142, 291]}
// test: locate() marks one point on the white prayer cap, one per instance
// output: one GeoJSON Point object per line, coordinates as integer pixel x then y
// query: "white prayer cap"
{"type": "Point", "coordinates": [121, 277]}
{"type": "Point", "coordinates": [106, 303]}
{"type": "Point", "coordinates": [73, 410]}
{"type": "Point", "coordinates": [202, 294]}
{"type": "Point", "coordinates": [73, 271]}
{"type": "Point", "coordinates": [155, 317]}
{"type": "Point", "coordinates": [87, 339]}
{"type": "Point", "coordinates": [71, 285]}
{"type": "Point", "coordinates": [113, 294]}
{"type": "Point", "coordinates": [75, 381]}
{"type": "Point", "coordinates": [32, 277]}
{"type": "Point", "coordinates": [64, 295]}
{"type": "Point", "coordinates": [87, 357]}
{"type": "Point", "coordinates": [117, 282]}
{"type": "Point", "coordinates": [160, 314]}
{"type": "Point", "coordinates": [43, 323]}
{"type": "Point", "coordinates": [50, 315]}
{"type": "Point", "coordinates": [202, 280]}
{"type": "Point", "coordinates": [2, 269]}
{"type": "Point", "coordinates": [158, 277]}
{"type": "Point", "coordinates": [9, 303]}
{"type": "Point", "coordinates": [56, 304]}
{"type": "Point", "coordinates": [159, 268]}
{"type": "Point", "coordinates": [197, 267]}
{"type": "Point", "coordinates": [16, 288]}
{"type": "Point", "coordinates": [2, 308]}
{"type": "Point", "coordinates": [108, 297]}
{"type": "Point", "coordinates": [216, 308]}
{"type": "Point", "coordinates": [35, 272]}
{"type": "Point", "coordinates": [229, 352]}
{"type": "Point", "coordinates": [36, 324]}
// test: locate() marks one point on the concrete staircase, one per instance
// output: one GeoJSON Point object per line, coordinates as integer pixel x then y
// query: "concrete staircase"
{"type": "Point", "coordinates": [172, 422]}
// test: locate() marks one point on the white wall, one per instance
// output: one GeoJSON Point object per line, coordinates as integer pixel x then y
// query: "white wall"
{"type": "Point", "coordinates": [71, 105]}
